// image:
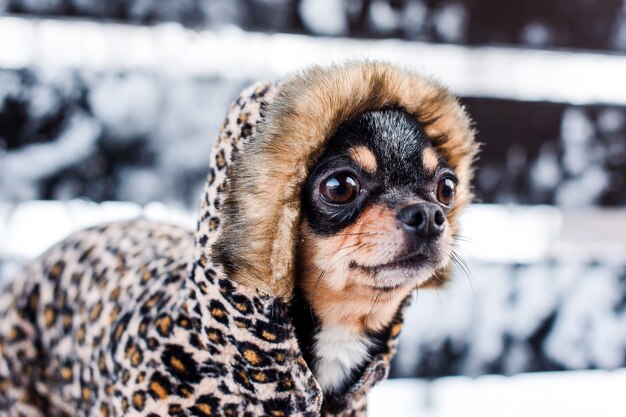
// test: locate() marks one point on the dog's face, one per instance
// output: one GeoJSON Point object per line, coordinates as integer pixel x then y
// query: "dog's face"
{"type": "Point", "coordinates": [376, 208]}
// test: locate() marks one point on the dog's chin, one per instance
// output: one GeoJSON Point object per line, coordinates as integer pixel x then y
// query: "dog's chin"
{"type": "Point", "coordinates": [403, 272]}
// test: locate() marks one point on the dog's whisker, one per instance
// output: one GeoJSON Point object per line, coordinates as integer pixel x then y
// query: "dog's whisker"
{"type": "Point", "coordinates": [340, 249]}
{"type": "Point", "coordinates": [319, 278]}
{"type": "Point", "coordinates": [462, 266]}
{"type": "Point", "coordinates": [376, 299]}
{"type": "Point", "coordinates": [362, 234]}
{"type": "Point", "coordinates": [461, 263]}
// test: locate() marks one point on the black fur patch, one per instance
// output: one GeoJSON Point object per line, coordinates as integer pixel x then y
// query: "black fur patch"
{"type": "Point", "coordinates": [181, 364]}
{"type": "Point", "coordinates": [397, 141]}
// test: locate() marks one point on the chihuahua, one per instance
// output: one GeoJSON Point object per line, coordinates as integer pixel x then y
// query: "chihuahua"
{"type": "Point", "coordinates": [374, 227]}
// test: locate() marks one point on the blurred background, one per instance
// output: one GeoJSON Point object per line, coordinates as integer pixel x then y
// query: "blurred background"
{"type": "Point", "coordinates": [108, 109]}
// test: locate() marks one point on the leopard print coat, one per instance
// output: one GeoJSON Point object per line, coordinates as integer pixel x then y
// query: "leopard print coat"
{"type": "Point", "coordinates": [140, 318]}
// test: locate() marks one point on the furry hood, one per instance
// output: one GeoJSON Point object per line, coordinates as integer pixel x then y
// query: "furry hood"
{"type": "Point", "coordinates": [275, 132]}
{"type": "Point", "coordinates": [270, 140]}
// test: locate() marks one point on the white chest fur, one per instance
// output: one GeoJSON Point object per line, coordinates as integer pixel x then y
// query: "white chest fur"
{"type": "Point", "coordinates": [338, 350]}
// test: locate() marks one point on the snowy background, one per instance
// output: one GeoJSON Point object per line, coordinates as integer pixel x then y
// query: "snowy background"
{"type": "Point", "coordinates": [108, 110]}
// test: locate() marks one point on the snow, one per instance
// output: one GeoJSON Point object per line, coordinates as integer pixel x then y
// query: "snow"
{"type": "Point", "coordinates": [170, 49]}
{"type": "Point", "coordinates": [325, 17]}
{"type": "Point", "coordinates": [21, 169]}
{"type": "Point", "coordinates": [495, 320]}
{"type": "Point", "coordinates": [585, 159]}
{"type": "Point", "coordinates": [382, 17]}
{"type": "Point", "coordinates": [497, 233]}
{"type": "Point", "coordinates": [43, 102]}
{"type": "Point", "coordinates": [588, 332]}
{"type": "Point", "coordinates": [583, 162]}
{"type": "Point", "coordinates": [570, 394]}
{"type": "Point", "coordinates": [537, 34]}
{"type": "Point", "coordinates": [28, 229]}
{"type": "Point", "coordinates": [584, 190]}
{"type": "Point", "coordinates": [414, 18]}
{"type": "Point", "coordinates": [451, 22]}
{"type": "Point", "coordinates": [128, 106]}
{"type": "Point", "coordinates": [619, 34]}
{"type": "Point", "coordinates": [576, 134]}
{"type": "Point", "coordinates": [610, 120]}
{"type": "Point", "coordinates": [545, 172]}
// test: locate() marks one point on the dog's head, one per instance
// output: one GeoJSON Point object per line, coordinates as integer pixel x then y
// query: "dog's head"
{"type": "Point", "coordinates": [377, 209]}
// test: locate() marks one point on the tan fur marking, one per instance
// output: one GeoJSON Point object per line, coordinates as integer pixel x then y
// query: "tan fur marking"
{"type": "Point", "coordinates": [259, 376]}
{"type": "Point", "coordinates": [205, 408]}
{"type": "Point", "coordinates": [340, 294]}
{"type": "Point", "coordinates": [165, 325]}
{"type": "Point", "coordinates": [177, 364]}
{"type": "Point", "coordinates": [86, 394]}
{"type": "Point", "coordinates": [66, 373]}
{"type": "Point", "coordinates": [364, 158]}
{"type": "Point", "coordinates": [95, 311]}
{"type": "Point", "coordinates": [268, 336]}
{"type": "Point", "coordinates": [430, 160]}
{"type": "Point", "coordinates": [49, 316]}
{"type": "Point", "coordinates": [347, 296]}
{"type": "Point", "coordinates": [251, 356]}
{"type": "Point", "coordinates": [158, 390]}
{"type": "Point", "coordinates": [139, 401]}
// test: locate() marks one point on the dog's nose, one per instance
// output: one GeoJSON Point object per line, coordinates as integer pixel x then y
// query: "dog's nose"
{"type": "Point", "coordinates": [426, 219]}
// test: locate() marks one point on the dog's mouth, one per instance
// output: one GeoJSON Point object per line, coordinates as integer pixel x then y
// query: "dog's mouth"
{"type": "Point", "coordinates": [409, 269]}
{"type": "Point", "coordinates": [411, 261]}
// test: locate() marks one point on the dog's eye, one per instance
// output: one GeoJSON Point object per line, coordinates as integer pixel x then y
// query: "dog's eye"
{"type": "Point", "coordinates": [446, 189]}
{"type": "Point", "coordinates": [340, 188]}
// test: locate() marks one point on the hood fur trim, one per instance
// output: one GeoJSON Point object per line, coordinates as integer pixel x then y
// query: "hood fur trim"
{"type": "Point", "coordinates": [262, 207]}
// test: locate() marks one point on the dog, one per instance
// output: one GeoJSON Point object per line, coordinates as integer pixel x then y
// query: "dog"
{"type": "Point", "coordinates": [330, 196]}
{"type": "Point", "coordinates": [374, 228]}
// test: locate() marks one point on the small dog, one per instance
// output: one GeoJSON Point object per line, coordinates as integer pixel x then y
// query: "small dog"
{"type": "Point", "coordinates": [330, 196]}
{"type": "Point", "coordinates": [375, 227]}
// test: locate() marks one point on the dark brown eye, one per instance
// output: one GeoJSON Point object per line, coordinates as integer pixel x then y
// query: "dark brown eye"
{"type": "Point", "coordinates": [446, 189]}
{"type": "Point", "coordinates": [340, 189]}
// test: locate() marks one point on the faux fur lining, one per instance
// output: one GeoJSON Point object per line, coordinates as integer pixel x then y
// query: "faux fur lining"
{"type": "Point", "coordinates": [262, 208]}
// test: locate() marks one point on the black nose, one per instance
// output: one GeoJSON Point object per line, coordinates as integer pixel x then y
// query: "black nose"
{"type": "Point", "coordinates": [426, 219]}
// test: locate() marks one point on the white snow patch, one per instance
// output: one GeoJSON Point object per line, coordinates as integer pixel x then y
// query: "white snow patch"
{"type": "Point", "coordinates": [9, 86]}
{"type": "Point", "coordinates": [545, 173]}
{"type": "Point", "coordinates": [619, 35]}
{"type": "Point", "coordinates": [587, 331]}
{"type": "Point", "coordinates": [536, 34]}
{"type": "Point", "coordinates": [611, 120]}
{"type": "Point", "coordinates": [28, 229]}
{"type": "Point", "coordinates": [496, 232]}
{"type": "Point", "coordinates": [574, 394]}
{"type": "Point", "coordinates": [450, 22]}
{"type": "Point", "coordinates": [582, 161]}
{"type": "Point", "coordinates": [22, 169]}
{"type": "Point", "coordinates": [383, 17]}
{"type": "Point", "coordinates": [140, 185]}
{"type": "Point", "coordinates": [414, 18]}
{"type": "Point", "coordinates": [43, 102]}
{"type": "Point", "coordinates": [584, 190]}
{"type": "Point", "coordinates": [128, 106]}
{"type": "Point", "coordinates": [34, 226]}
{"type": "Point", "coordinates": [324, 17]}
{"type": "Point", "coordinates": [576, 134]}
